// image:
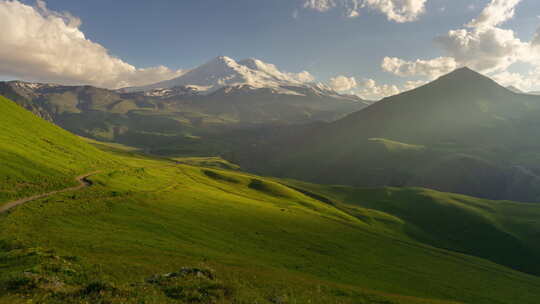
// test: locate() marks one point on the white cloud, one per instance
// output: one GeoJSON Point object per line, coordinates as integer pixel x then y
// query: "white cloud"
{"type": "Point", "coordinates": [320, 5]}
{"type": "Point", "coordinates": [413, 84]}
{"type": "Point", "coordinates": [525, 83]}
{"type": "Point", "coordinates": [496, 13]}
{"type": "Point", "coordinates": [399, 10]}
{"type": "Point", "coordinates": [303, 77]}
{"type": "Point", "coordinates": [430, 68]}
{"type": "Point", "coordinates": [485, 49]}
{"type": "Point", "coordinates": [395, 10]}
{"type": "Point", "coordinates": [39, 44]}
{"type": "Point", "coordinates": [371, 90]}
{"type": "Point", "coordinates": [343, 83]}
{"type": "Point", "coordinates": [481, 45]}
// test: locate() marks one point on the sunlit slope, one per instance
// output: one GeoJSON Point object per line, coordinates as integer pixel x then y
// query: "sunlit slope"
{"type": "Point", "coordinates": [37, 156]}
{"type": "Point", "coordinates": [260, 235]}
{"type": "Point", "coordinates": [266, 241]}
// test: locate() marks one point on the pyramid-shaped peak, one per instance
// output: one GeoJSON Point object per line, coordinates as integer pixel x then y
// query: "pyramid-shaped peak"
{"type": "Point", "coordinates": [466, 72]}
{"type": "Point", "coordinates": [465, 77]}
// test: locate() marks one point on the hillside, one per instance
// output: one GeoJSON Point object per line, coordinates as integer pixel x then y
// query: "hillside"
{"type": "Point", "coordinates": [496, 230]}
{"type": "Point", "coordinates": [37, 156]}
{"type": "Point", "coordinates": [198, 230]}
{"type": "Point", "coordinates": [476, 138]}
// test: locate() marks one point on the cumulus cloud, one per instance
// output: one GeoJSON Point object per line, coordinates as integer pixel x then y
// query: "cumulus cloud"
{"type": "Point", "coordinates": [430, 68]}
{"type": "Point", "coordinates": [320, 5]}
{"type": "Point", "coordinates": [496, 13]}
{"type": "Point", "coordinates": [343, 83]}
{"type": "Point", "coordinates": [44, 45]}
{"type": "Point", "coordinates": [395, 10]}
{"type": "Point", "coordinates": [487, 49]}
{"type": "Point", "coordinates": [525, 82]}
{"type": "Point", "coordinates": [413, 84]}
{"type": "Point", "coordinates": [399, 10]}
{"type": "Point", "coordinates": [481, 45]}
{"type": "Point", "coordinates": [302, 77]}
{"type": "Point", "coordinates": [371, 90]}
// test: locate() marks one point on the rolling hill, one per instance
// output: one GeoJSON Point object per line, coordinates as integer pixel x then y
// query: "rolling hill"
{"type": "Point", "coordinates": [462, 133]}
{"type": "Point", "coordinates": [38, 156]}
{"type": "Point", "coordinates": [198, 230]}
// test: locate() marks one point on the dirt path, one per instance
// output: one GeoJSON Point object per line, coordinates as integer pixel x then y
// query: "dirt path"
{"type": "Point", "coordinates": [83, 183]}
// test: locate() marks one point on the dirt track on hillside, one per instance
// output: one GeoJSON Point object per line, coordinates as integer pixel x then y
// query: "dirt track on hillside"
{"type": "Point", "coordinates": [83, 183]}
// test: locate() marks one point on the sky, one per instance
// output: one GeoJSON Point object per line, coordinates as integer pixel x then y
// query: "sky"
{"type": "Point", "coordinates": [373, 48]}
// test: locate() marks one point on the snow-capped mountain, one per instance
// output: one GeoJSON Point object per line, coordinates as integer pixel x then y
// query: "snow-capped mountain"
{"type": "Point", "coordinates": [225, 72]}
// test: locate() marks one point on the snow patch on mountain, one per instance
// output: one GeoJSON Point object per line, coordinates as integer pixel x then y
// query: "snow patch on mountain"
{"type": "Point", "coordinates": [224, 72]}
{"type": "Point", "coordinates": [31, 85]}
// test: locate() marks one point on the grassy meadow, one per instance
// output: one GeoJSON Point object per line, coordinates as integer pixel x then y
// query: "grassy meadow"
{"type": "Point", "coordinates": [198, 230]}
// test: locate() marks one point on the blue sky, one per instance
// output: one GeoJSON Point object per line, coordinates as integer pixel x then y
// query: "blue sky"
{"type": "Point", "coordinates": [184, 34]}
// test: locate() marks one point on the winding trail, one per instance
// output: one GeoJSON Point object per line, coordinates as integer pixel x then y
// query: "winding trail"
{"type": "Point", "coordinates": [83, 180]}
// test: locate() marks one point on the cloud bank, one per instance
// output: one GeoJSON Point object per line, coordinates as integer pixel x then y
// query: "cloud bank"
{"type": "Point", "coordinates": [482, 45]}
{"type": "Point", "coordinates": [395, 10]}
{"type": "Point", "coordinates": [430, 68]}
{"type": "Point", "coordinates": [343, 83]}
{"type": "Point", "coordinates": [368, 88]}
{"type": "Point", "coordinates": [42, 45]}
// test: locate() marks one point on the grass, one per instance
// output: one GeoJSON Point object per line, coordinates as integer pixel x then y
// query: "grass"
{"type": "Point", "coordinates": [500, 231]}
{"type": "Point", "coordinates": [139, 222]}
{"type": "Point", "coordinates": [37, 156]}
{"type": "Point", "coordinates": [152, 230]}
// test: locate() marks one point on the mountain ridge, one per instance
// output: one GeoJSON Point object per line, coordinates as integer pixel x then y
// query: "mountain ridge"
{"type": "Point", "coordinates": [179, 116]}
{"type": "Point", "coordinates": [477, 138]}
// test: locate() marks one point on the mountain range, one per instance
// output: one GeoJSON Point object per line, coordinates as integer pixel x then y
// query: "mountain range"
{"type": "Point", "coordinates": [462, 133]}
{"type": "Point", "coordinates": [219, 95]}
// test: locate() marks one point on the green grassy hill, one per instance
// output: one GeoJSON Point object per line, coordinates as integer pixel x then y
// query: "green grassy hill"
{"type": "Point", "coordinates": [37, 156]}
{"type": "Point", "coordinates": [197, 230]}
{"type": "Point", "coordinates": [500, 231]}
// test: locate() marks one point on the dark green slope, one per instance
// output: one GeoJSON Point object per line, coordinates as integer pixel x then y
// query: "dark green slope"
{"type": "Point", "coordinates": [505, 232]}
{"type": "Point", "coordinates": [462, 133]}
{"type": "Point", "coordinates": [37, 156]}
{"type": "Point", "coordinates": [462, 108]}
